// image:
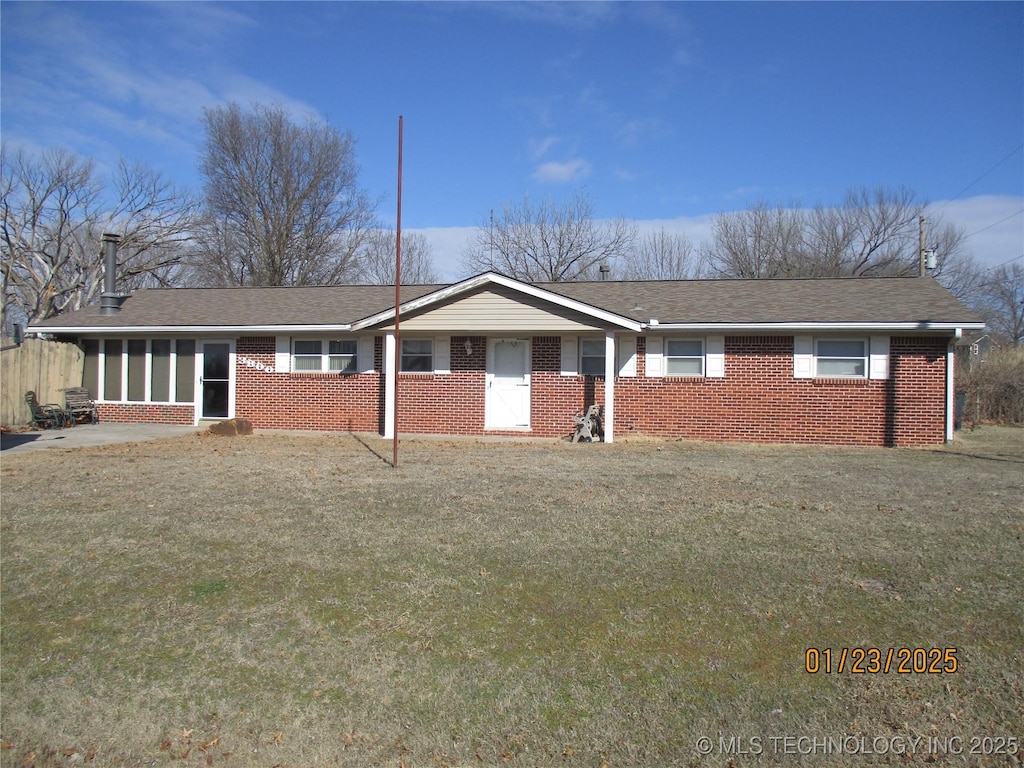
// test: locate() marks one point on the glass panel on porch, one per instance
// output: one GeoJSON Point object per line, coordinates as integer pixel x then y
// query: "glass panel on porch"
{"type": "Point", "coordinates": [112, 369]}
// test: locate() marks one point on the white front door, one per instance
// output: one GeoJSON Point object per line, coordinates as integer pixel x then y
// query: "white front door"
{"type": "Point", "coordinates": [507, 404]}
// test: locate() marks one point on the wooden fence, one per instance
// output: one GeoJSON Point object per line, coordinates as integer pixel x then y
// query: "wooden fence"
{"type": "Point", "coordinates": [45, 367]}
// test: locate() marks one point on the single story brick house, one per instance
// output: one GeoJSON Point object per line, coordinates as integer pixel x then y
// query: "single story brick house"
{"type": "Point", "coordinates": [866, 361]}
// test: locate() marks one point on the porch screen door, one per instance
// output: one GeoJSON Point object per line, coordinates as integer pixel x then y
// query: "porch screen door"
{"type": "Point", "coordinates": [216, 379]}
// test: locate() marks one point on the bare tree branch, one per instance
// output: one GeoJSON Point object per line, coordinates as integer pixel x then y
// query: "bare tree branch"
{"type": "Point", "coordinates": [660, 256]}
{"type": "Point", "coordinates": [54, 214]}
{"type": "Point", "coordinates": [548, 242]}
{"type": "Point", "coordinates": [283, 200]}
{"type": "Point", "coordinates": [377, 259]}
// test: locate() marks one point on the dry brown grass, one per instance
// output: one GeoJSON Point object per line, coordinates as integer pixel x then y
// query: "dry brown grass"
{"type": "Point", "coordinates": [292, 600]}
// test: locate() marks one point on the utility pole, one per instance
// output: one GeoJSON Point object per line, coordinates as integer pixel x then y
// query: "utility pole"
{"type": "Point", "coordinates": [398, 296]}
{"type": "Point", "coordinates": [925, 255]}
{"type": "Point", "coordinates": [920, 246]}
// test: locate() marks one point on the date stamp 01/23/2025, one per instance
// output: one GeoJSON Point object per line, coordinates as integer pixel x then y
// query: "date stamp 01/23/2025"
{"type": "Point", "coordinates": [868, 661]}
{"type": "Point", "coordinates": [875, 661]}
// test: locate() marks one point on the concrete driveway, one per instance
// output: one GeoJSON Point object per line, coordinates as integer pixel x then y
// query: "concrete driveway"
{"type": "Point", "coordinates": [86, 435]}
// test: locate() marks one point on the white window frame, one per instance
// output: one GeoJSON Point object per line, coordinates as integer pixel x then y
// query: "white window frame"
{"type": "Point", "coordinates": [670, 357]}
{"type": "Point", "coordinates": [583, 355]}
{"type": "Point", "coordinates": [324, 356]}
{"type": "Point", "coordinates": [429, 355]}
{"type": "Point", "coordinates": [863, 359]}
{"type": "Point", "coordinates": [712, 357]}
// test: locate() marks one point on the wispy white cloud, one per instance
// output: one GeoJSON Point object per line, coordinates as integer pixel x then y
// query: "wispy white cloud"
{"type": "Point", "coordinates": [540, 147]}
{"type": "Point", "coordinates": [745, 194]}
{"type": "Point", "coordinates": [101, 93]}
{"type": "Point", "coordinates": [573, 15]}
{"type": "Point", "coordinates": [562, 173]}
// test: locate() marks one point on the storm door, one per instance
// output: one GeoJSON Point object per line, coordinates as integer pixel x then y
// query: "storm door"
{"type": "Point", "coordinates": [215, 382]}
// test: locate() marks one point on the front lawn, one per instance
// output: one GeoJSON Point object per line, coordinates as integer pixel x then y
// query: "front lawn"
{"type": "Point", "coordinates": [291, 600]}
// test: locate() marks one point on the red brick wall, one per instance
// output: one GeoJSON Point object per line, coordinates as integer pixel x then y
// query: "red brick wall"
{"type": "Point", "coordinates": [557, 398]}
{"type": "Point", "coordinates": [315, 401]}
{"type": "Point", "coordinates": [146, 413]}
{"type": "Point", "coordinates": [758, 400]}
{"type": "Point", "coordinates": [448, 403]}
{"type": "Point", "coordinates": [918, 367]}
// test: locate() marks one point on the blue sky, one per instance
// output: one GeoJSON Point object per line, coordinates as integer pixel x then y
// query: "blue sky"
{"type": "Point", "coordinates": [665, 113]}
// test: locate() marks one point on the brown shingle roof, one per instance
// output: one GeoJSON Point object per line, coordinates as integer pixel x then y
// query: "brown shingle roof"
{"type": "Point", "coordinates": [243, 307]}
{"type": "Point", "coordinates": [740, 302]}
{"type": "Point", "coordinates": [838, 300]}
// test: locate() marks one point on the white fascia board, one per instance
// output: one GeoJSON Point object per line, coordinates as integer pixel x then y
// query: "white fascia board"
{"type": "Point", "coordinates": [805, 327]}
{"type": "Point", "coordinates": [229, 330]}
{"type": "Point", "coordinates": [492, 278]}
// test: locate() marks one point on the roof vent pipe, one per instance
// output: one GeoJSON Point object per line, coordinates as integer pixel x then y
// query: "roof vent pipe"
{"type": "Point", "coordinates": [110, 302]}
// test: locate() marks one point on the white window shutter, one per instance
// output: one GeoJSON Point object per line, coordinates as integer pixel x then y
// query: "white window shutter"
{"type": "Point", "coordinates": [364, 354]}
{"type": "Point", "coordinates": [626, 352]}
{"type": "Point", "coordinates": [655, 356]}
{"type": "Point", "coordinates": [878, 367]}
{"type": "Point", "coordinates": [282, 354]}
{"type": "Point", "coordinates": [570, 356]}
{"type": "Point", "coordinates": [443, 354]}
{"type": "Point", "coordinates": [714, 357]}
{"type": "Point", "coordinates": [803, 357]}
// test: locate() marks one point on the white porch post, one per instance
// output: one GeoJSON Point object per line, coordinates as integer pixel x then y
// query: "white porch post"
{"type": "Point", "coordinates": [951, 389]}
{"type": "Point", "coordinates": [390, 380]}
{"type": "Point", "coordinates": [609, 386]}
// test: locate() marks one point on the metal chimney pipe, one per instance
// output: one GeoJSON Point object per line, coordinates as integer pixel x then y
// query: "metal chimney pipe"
{"type": "Point", "coordinates": [110, 302]}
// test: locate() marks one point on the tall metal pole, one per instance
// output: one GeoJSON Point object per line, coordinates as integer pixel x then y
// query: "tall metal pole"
{"type": "Point", "coordinates": [398, 296]}
{"type": "Point", "coordinates": [920, 247]}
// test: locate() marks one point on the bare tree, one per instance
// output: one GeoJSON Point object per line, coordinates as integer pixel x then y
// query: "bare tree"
{"type": "Point", "coordinates": [283, 200]}
{"type": "Point", "coordinates": [660, 255]}
{"type": "Point", "coordinates": [212, 260]}
{"type": "Point", "coordinates": [882, 226]}
{"type": "Point", "coordinates": [53, 213]}
{"type": "Point", "coordinates": [871, 233]}
{"type": "Point", "coordinates": [763, 241]}
{"type": "Point", "coordinates": [1002, 302]}
{"type": "Point", "coordinates": [548, 242]}
{"type": "Point", "coordinates": [377, 259]}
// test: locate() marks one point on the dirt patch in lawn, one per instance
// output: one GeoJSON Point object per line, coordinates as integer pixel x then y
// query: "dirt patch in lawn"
{"type": "Point", "coordinates": [283, 599]}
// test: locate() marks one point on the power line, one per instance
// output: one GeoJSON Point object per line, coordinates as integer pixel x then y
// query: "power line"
{"type": "Point", "coordinates": [986, 173]}
{"type": "Point", "coordinates": [996, 224]}
{"type": "Point", "coordinates": [1004, 263]}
